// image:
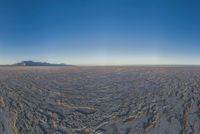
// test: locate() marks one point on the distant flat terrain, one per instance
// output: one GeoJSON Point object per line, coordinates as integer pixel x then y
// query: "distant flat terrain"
{"type": "Point", "coordinates": [103, 100]}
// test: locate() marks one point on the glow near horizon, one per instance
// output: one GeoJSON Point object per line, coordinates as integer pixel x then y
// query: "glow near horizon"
{"type": "Point", "coordinates": [104, 60]}
{"type": "Point", "coordinates": [102, 55]}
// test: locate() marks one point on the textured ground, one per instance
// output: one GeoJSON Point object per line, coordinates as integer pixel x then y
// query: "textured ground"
{"type": "Point", "coordinates": [110, 100]}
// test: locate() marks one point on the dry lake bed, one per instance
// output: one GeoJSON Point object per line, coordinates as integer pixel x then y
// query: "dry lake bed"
{"type": "Point", "coordinates": [100, 100]}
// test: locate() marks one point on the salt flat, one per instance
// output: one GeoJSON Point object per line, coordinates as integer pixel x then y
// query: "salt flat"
{"type": "Point", "coordinates": [107, 100]}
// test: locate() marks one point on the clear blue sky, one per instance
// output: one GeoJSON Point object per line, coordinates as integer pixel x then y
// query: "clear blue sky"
{"type": "Point", "coordinates": [90, 32]}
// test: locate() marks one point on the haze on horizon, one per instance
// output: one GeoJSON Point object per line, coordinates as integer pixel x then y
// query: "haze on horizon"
{"type": "Point", "coordinates": [100, 32]}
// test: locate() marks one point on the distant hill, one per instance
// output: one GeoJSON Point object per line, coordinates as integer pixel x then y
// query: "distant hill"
{"type": "Point", "coordinates": [32, 63]}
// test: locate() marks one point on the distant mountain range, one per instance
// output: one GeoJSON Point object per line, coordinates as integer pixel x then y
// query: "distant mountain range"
{"type": "Point", "coordinates": [32, 63]}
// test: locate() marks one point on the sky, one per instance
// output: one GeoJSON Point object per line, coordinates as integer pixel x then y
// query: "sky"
{"type": "Point", "coordinates": [100, 32]}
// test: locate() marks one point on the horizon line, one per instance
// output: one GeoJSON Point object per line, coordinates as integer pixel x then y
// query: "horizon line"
{"type": "Point", "coordinates": [101, 65]}
{"type": "Point", "coordinates": [114, 64]}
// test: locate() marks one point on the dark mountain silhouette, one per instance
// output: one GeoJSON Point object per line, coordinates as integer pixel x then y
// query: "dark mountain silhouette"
{"type": "Point", "coordinates": [32, 63]}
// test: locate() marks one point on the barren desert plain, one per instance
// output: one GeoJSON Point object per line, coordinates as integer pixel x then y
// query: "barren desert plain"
{"type": "Point", "coordinates": [100, 100]}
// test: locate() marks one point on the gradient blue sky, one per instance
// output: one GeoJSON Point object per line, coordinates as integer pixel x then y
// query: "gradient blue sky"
{"type": "Point", "coordinates": [98, 32]}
